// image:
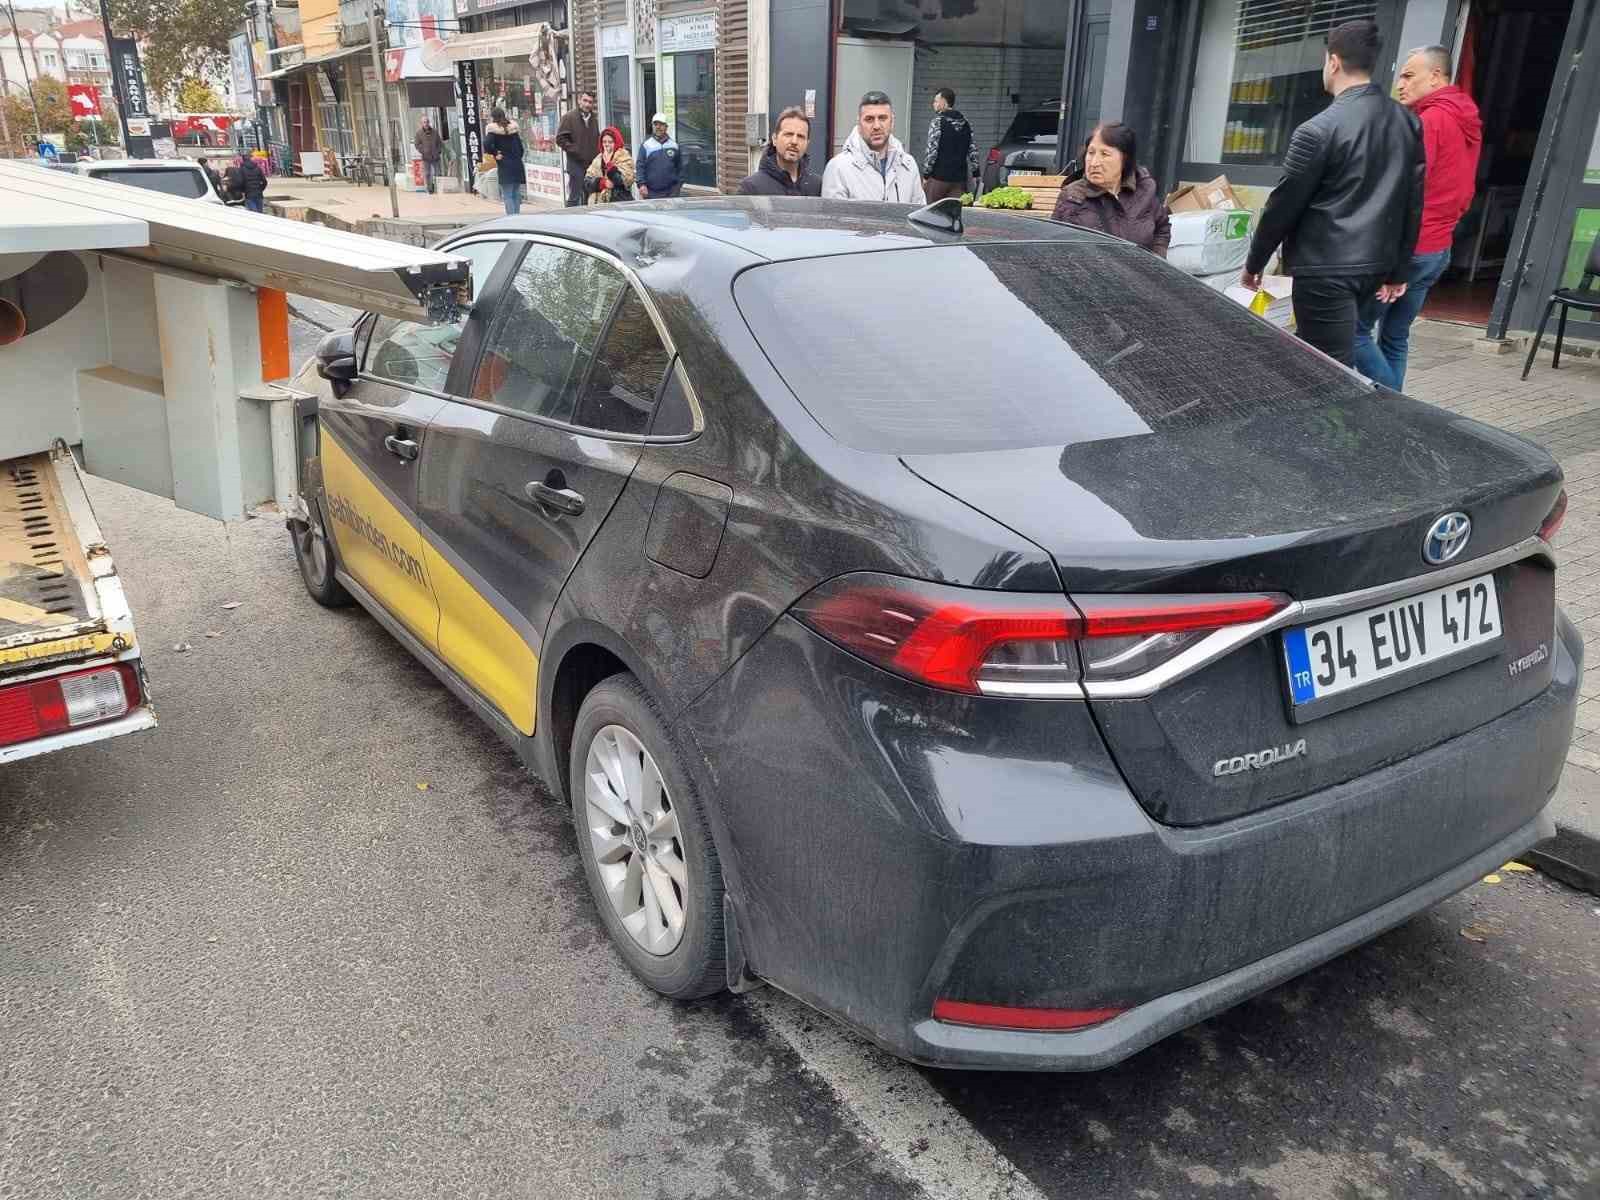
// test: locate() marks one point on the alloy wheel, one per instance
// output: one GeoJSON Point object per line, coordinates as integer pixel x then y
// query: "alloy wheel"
{"type": "Point", "coordinates": [313, 551]}
{"type": "Point", "coordinates": [633, 830]}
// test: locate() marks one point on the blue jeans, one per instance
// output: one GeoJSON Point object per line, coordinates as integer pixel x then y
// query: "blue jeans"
{"type": "Point", "coordinates": [511, 197]}
{"type": "Point", "coordinates": [1384, 361]}
{"type": "Point", "coordinates": [256, 203]}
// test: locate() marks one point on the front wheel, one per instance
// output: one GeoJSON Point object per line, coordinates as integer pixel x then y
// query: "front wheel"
{"type": "Point", "coordinates": [647, 850]}
{"type": "Point", "coordinates": [314, 556]}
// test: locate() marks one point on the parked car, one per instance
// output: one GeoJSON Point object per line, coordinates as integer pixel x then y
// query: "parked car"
{"type": "Point", "coordinates": [1016, 722]}
{"type": "Point", "coordinates": [1032, 130]}
{"type": "Point", "coordinates": [174, 176]}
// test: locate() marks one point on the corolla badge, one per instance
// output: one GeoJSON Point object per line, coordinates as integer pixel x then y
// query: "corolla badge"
{"type": "Point", "coordinates": [1258, 760]}
{"type": "Point", "coordinates": [1446, 538]}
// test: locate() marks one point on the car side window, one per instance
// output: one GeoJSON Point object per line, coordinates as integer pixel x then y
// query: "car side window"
{"type": "Point", "coordinates": [417, 354]}
{"type": "Point", "coordinates": [620, 393]}
{"type": "Point", "coordinates": [545, 330]}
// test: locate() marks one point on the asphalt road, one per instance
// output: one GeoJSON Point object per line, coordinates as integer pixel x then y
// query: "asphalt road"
{"type": "Point", "coordinates": [318, 935]}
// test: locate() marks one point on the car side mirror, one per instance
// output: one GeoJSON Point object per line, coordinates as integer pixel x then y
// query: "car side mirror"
{"type": "Point", "coordinates": [336, 359]}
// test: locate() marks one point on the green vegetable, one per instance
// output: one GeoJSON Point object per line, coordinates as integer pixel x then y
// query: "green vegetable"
{"type": "Point", "coordinates": [966, 199]}
{"type": "Point", "coordinates": [1008, 197]}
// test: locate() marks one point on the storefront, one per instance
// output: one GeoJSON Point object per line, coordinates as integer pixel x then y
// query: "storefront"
{"type": "Point", "coordinates": [666, 57]}
{"type": "Point", "coordinates": [520, 70]}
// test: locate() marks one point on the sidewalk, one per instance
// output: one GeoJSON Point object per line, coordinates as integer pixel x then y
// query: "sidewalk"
{"type": "Point", "coordinates": [1561, 411]}
{"type": "Point", "coordinates": [360, 209]}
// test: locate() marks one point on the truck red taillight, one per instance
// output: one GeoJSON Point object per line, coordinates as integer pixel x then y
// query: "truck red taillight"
{"type": "Point", "coordinates": [1013, 643]}
{"type": "Point", "coordinates": [56, 704]}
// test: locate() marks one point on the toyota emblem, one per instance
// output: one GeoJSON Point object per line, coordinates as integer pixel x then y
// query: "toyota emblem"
{"type": "Point", "coordinates": [1446, 538]}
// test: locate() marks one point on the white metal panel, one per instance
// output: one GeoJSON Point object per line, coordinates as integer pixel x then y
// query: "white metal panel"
{"type": "Point", "coordinates": [230, 243]}
{"type": "Point", "coordinates": [35, 223]}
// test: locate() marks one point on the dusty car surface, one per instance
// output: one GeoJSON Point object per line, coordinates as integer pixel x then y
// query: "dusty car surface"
{"type": "Point", "coordinates": [1017, 718]}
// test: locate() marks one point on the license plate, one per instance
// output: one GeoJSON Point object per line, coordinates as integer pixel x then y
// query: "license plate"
{"type": "Point", "coordinates": [1395, 639]}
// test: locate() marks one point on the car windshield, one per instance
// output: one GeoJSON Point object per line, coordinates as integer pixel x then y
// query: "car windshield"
{"type": "Point", "coordinates": [174, 181]}
{"type": "Point", "coordinates": [1030, 125]}
{"type": "Point", "coordinates": [997, 346]}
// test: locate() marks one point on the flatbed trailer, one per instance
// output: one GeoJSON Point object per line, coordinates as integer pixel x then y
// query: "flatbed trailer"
{"type": "Point", "coordinates": [142, 338]}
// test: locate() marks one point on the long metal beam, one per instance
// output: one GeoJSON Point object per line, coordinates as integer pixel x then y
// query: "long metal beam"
{"type": "Point", "coordinates": [407, 282]}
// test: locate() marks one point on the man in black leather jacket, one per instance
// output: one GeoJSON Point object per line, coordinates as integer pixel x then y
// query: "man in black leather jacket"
{"type": "Point", "coordinates": [1350, 203]}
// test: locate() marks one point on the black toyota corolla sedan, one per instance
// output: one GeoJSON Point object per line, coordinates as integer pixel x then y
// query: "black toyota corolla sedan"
{"type": "Point", "coordinates": [989, 635]}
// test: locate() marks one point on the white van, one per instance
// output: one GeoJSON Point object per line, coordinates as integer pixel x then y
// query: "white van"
{"type": "Point", "coordinates": [173, 176]}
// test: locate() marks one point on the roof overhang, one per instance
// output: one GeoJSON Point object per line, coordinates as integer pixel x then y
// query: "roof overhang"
{"type": "Point", "coordinates": [517, 42]}
{"type": "Point", "coordinates": [70, 212]}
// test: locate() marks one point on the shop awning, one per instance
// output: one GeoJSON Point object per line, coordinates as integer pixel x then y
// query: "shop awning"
{"type": "Point", "coordinates": [215, 242]}
{"type": "Point", "coordinates": [342, 52]}
{"type": "Point", "coordinates": [517, 42]}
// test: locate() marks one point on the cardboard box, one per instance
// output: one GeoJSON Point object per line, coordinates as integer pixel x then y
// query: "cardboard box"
{"type": "Point", "coordinates": [1271, 303]}
{"type": "Point", "coordinates": [1194, 197]}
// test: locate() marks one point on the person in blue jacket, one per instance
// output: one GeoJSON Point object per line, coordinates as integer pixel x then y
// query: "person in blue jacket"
{"type": "Point", "coordinates": [658, 162]}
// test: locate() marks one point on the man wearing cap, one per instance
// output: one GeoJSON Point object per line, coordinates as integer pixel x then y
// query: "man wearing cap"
{"type": "Point", "coordinates": [657, 163]}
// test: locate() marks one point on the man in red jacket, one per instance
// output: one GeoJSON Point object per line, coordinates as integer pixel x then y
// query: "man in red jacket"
{"type": "Point", "coordinates": [1452, 135]}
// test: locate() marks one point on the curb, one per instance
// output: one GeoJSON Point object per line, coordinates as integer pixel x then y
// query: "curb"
{"type": "Point", "coordinates": [1572, 856]}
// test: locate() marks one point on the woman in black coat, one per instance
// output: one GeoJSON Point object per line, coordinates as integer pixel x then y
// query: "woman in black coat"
{"type": "Point", "coordinates": [504, 143]}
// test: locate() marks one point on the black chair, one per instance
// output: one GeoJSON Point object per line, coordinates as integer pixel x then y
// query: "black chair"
{"type": "Point", "coordinates": [1585, 298]}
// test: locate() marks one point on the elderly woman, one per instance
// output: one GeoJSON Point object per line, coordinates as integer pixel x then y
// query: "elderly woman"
{"type": "Point", "coordinates": [1116, 195]}
{"type": "Point", "coordinates": [610, 176]}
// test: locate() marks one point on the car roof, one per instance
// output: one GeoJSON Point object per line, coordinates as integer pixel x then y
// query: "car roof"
{"type": "Point", "coordinates": [136, 164]}
{"type": "Point", "coordinates": [779, 228]}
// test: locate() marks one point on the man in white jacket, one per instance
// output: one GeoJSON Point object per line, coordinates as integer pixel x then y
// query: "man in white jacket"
{"type": "Point", "coordinates": [873, 164]}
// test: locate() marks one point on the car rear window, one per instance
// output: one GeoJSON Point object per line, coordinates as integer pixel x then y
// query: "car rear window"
{"type": "Point", "coordinates": [1028, 125]}
{"type": "Point", "coordinates": [998, 346]}
{"type": "Point", "coordinates": [174, 181]}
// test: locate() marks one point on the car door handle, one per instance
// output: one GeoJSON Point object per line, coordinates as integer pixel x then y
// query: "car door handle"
{"type": "Point", "coordinates": [563, 500]}
{"type": "Point", "coordinates": [402, 447]}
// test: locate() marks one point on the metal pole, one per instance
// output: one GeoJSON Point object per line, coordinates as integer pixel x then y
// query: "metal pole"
{"type": "Point", "coordinates": [117, 92]}
{"type": "Point", "coordinates": [38, 130]}
{"type": "Point", "coordinates": [383, 110]}
{"type": "Point", "coordinates": [5, 125]}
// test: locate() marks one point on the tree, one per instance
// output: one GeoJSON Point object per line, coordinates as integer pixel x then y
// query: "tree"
{"type": "Point", "coordinates": [198, 96]}
{"type": "Point", "coordinates": [55, 119]}
{"type": "Point", "coordinates": [178, 38]}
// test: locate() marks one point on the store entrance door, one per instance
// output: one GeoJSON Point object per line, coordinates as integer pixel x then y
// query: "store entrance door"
{"type": "Point", "coordinates": [1507, 55]}
{"type": "Point", "coordinates": [1559, 235]}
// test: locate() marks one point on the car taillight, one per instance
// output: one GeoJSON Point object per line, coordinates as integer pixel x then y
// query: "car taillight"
{"type": "Point", "coordinates": [994, 155]}
{"type": "Point", "coordinates": [1558, 514]}
{"type": "Point", "coordinates": [62, 702]}
{"type": "Point", "coordinates": [1010, 1016]}
{"type": "Point", "coordinates": [1010, 643]}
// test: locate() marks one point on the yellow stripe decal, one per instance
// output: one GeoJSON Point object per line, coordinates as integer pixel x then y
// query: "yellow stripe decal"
{"type": "Point", "coordinates": [482, 646]}
{"type": "Point", "coordinates": [384, 548]}
{"type": "Point", "coordinates": [63, 649]}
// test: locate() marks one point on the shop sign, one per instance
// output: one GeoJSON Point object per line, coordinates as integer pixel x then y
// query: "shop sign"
{"type": "Point", "coordinates": [239, 68]}
{"type": "Point", "coordinates": [616, 41]}
{"type": "Point", "coordinates": [697, 31]}
{"type": "Point", "coordinates": [325, 86]}
{"type": "Point", "coordinates": [125, 65]}
{"type": "Point", "coordinates": [471, 118]}
{"type": "Point", "coordinates": [369, 77]}
{"type": "Point", "coordinates": [418, 30]}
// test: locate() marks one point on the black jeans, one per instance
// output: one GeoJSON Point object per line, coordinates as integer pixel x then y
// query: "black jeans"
{"type": "Point", "coordinates": [1325, 311]}
{"type": "Point", "coordinates": [576, 196]}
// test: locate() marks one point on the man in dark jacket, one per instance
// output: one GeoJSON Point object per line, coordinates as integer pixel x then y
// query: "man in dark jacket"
{"type": "Point", "coordinates": [430, 146]}
{"type": "Point", "coordinates": [578, 135]}
{"type": "Point", "coordinates": [252, 183]}
{"type": "Point", "coordinates": [1452, 136]}
{"type": "Point", "coordinates": [1350, 203]}
{"type": "Point", "coordinates": [785, 166]}
{"type": "Point", "coordinates": [951, 159]}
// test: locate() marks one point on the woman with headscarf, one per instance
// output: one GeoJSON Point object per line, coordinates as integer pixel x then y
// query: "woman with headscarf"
{"type": "Point", "coordinates": [610, 176]}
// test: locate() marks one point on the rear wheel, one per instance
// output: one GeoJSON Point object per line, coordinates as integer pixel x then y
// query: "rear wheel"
{"type": "Point", "coordinates": [647, 850]}
{"type": "Point", "coordinates": [315, 558]}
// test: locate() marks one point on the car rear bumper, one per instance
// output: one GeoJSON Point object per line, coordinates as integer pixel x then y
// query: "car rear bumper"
{"type": "Point", "coordinates": [888, 846]}
{"type": "Point", "coordinates": [939, 1044]}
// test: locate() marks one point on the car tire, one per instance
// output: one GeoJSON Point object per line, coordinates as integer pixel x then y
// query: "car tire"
{"type": "Point", "coordinates": [620, 744]}
{"type": "Point", "coordinates": [313, 553]}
